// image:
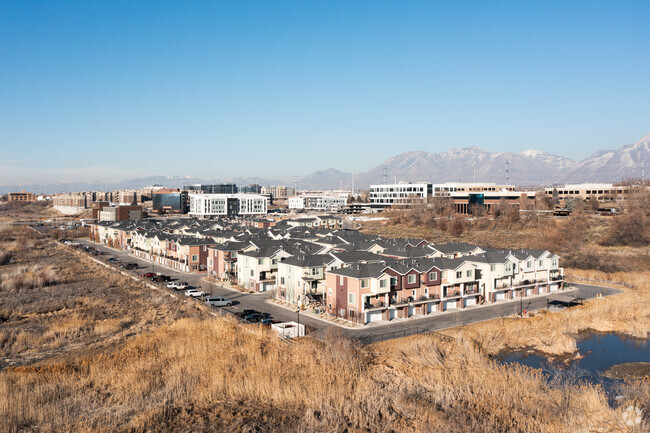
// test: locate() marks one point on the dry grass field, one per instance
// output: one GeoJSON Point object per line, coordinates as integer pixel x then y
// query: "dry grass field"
{"type": "Point", "coordinates": [83, 349]}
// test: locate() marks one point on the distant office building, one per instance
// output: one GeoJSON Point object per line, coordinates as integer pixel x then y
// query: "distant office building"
{"type": "Point", "coordinates": [21, 196]}
{"type": "Point", "coordinates": [317, 202]}
{"type": "Point", "coordinates": [170, 201]}
{"type": "Point", "coordinates": [280, 191]}
{"type": "Point", "coordinates": [251, 189]}
{"type": "Point", "coordinates": [586, 191]}
{"type": "Point", "coordinates": [208, 205]}
{"type": "Point", "coordinates": [402, 194]}
{"type": "Point", "coordinates": [220, 188]}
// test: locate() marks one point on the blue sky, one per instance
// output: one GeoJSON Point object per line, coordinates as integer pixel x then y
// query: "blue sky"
{"type": "Point", "coordinates": [102, 91]}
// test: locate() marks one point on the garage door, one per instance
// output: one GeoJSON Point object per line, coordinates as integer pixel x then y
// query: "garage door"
{"type": "Point", "coordinates": [554, 287]}
{"type": "Point", "coordinates": [448, 304]}
{"type": "Point", "coordinates": [411, 310]}
{"type": "Point", "coordinates": [432, 307]}
{"type": "Point", "coordinates": [470, 301]}
{"type": "Point", "coordinates": [500, 296]}
{"type": "Point", "coordinates": [529, 291]}
{"type": "Point", "coordinates": [392, 313]}
{"type": "Point", "coordinates": [374, 316]}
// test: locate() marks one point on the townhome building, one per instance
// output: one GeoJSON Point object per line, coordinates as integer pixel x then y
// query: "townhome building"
{"type": "Point", "coordinates": [222, 260]}
{"type": "Point", "coordinates": [257, 269]}
{"type": "Point", "coordinates": [301, 279]}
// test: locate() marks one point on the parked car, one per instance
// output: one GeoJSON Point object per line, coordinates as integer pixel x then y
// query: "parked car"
{"type": "Point", "coordinates": [254, 318]}
{"type": "Point", "coordinates": [130, 266]}
{"type": "Point", "coordinates": [178, 285]}
{"type": "Point", "coordinates": [246, 312]}
{"type": "Point", "coordinates": [148, 275]}
{"type": "Point", "coordinates": [194, 293]}
{"type": "Point", "coordinates": [218, 302]}
{"type": "Point", "coordinates": [112, 260]}
{"type": "Point", "coordinates": [160, 278]}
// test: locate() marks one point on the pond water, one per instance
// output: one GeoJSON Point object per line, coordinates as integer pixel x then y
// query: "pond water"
{"type": "Point", "coordinates": [599, 351]}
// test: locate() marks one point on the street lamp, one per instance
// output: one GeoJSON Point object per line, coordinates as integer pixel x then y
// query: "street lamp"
{"type": "Point", "coordinates": [298, 311]}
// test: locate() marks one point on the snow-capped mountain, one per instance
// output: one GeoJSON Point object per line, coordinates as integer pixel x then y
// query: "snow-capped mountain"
{"type": "Point", "coordinates": [611, 165]}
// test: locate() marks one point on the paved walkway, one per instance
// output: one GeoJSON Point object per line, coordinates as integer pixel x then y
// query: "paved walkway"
{"type": "Point", "coordinates": [370, 333]}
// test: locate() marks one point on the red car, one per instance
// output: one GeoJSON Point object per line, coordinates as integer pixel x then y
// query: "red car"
{"type": "Point", "coordinates": [148, 275]}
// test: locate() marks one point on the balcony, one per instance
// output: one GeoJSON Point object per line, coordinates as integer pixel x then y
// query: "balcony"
{"type": "Point", "coordinates": [401, 302]}
{"type": "Point", "coordinates": [455, 293]}
{"type": "Point", "coordinates": [379, 305]}
{"type": "Point", "coordinates": [423, 299]}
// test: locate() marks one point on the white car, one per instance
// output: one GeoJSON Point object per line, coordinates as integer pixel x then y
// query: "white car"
{"type": "Point", "coordinates": [218, 302]}
{"type": "Point", "coordinates": [194, 293]}
{"type": "Point", "coordinates": [178, 285]}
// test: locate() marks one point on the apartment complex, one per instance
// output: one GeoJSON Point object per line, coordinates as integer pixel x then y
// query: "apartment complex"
{"type": "Point", "coordinates": [21, 196]}
{"type": "Point", "coordinates": [353, 276]}
{"type": "Point", "coordinates": [120, 213]}
{"type": "Point", "coordinates": [169, 200]}
{"type": "Point", "coordinates": [213, 205]}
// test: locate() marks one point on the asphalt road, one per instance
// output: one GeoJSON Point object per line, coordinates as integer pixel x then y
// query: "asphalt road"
{"type": "Point", "coordinates": [370, 333]}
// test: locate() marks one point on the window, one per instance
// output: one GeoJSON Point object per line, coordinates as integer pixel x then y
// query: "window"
{"type": "Point", "coordinates": [443, 274]}
{"type": "Point", "coordinates": [413, 293]}
{"type": "Point", "coordinates": [411, 279]}
{"type": "Point", "coordinates": [364, 284]}
{"type": "Point", "coordinates": [540, 263]}
{"type": "Point", "coordinates": [252, 273]}
{"type": "Point", "coordinates": [260, 261]}
{"type": "Point", "coordinates": [393, 281]}
{"type": "Point", "coordinates": [351, 298]}
{"type": "Point", "coordinates": [459, 274]}
{"type": "Point", "coordinates": [509, 267]}
{"type": "Point", "coordinates": [281, 280]}
{"type": "Point", "coordinates": [274, 261]}
{"type": "Point", "coordinates": [383, 283]}
{"type": "Point", "coordinates": [468, 273]}
{"type": "Point", "coordinates": [529, 264]}
{"type": "Point", "coordinates": [233, 254]}
{"type": "Point", "coordinates": [493, 268]}
{"type": "Point", "coordinates": [433, 276]}
{"type": "Point", "coordinates": [554, 262]}
{"type": "Point", "coordinates": [341, 280]}
{"type": "Point", "coordinates": [195, 257]}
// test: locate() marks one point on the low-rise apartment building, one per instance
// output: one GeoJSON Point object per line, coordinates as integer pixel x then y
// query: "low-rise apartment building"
{"type": "Point", "coordinates": [21, 196]}
{"type": "Point", "coordinates": [214, 205]}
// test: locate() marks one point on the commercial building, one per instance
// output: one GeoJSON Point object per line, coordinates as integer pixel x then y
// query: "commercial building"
{"type": "Point", "coordinates": [280, 191]}
{"type": "Point", "coordinates": [399, 194]}
{"type": "Point", "coordinates": [218, 188]}
{"type": "Point", "coordinates": [586, 191]}
{"type": "Point", "coordinates": [169, 201]}
{"type": "Point", "coordinates": [97, 207]}
{"type": "Point", "coordinates": [317, 202]}
{"type": "Point", "coordinates": [209, 205]}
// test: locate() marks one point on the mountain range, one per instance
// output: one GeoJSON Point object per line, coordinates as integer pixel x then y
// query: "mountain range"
{"type": "Point", "coordinates": [529, 167]}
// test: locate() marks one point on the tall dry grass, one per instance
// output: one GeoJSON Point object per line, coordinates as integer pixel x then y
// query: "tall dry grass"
{"type": "Point", "coordinates": [221, 376]}
{"type": "Point", "coordinates": [555, 333]}
{"type": "Point", "coordinates": [28, 277]}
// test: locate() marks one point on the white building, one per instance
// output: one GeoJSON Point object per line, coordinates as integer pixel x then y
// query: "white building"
{"type": "Point", "coordinates": [399, 194]}
{"type": "Point", "coordinates": [206, 205]}
{"type": "Point", "coordinates": [317, 202]}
